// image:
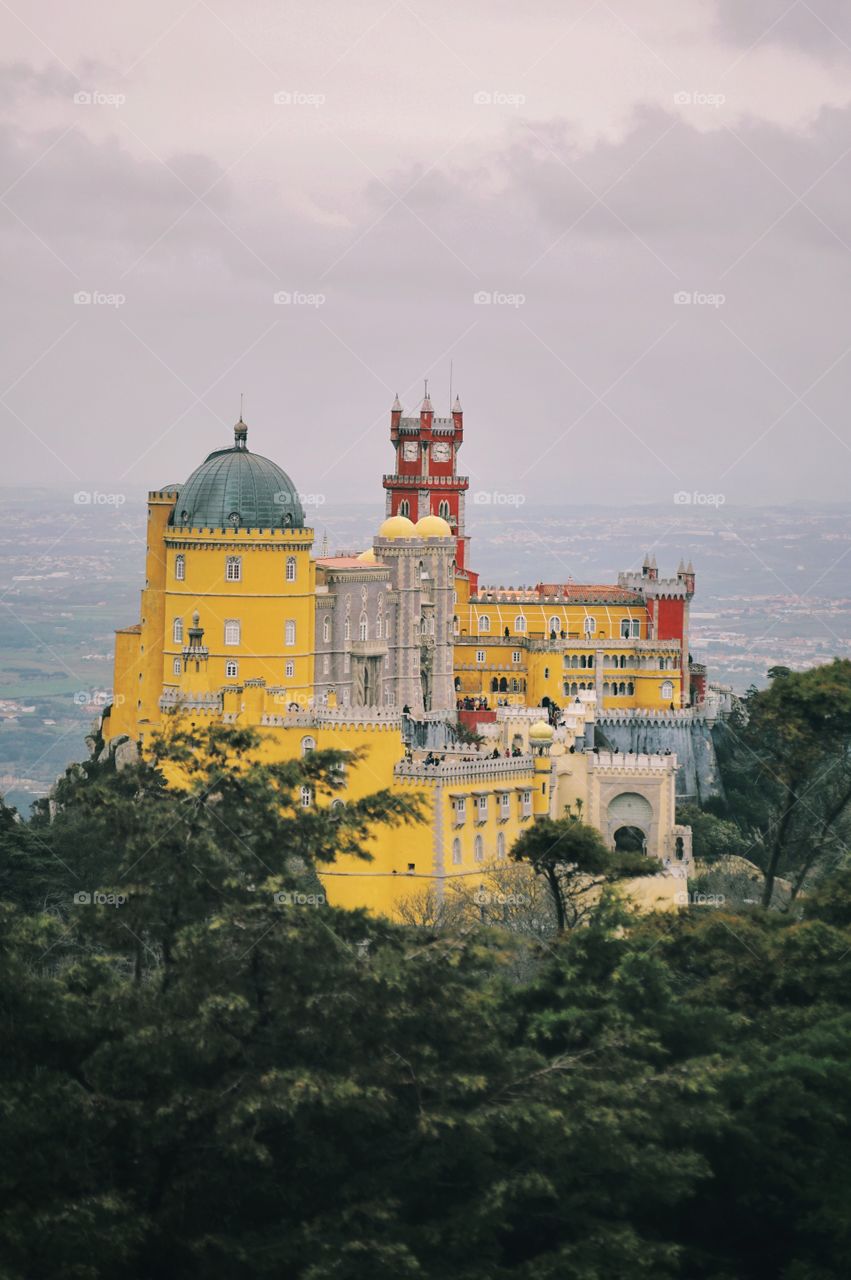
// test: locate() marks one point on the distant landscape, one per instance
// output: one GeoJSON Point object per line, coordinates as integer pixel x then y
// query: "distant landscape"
{"type": "Point", "coordinates": [773, 587]}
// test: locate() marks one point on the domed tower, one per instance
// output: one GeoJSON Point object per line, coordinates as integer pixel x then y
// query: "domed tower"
{"type": "Point", "coordinates": [228, 558]}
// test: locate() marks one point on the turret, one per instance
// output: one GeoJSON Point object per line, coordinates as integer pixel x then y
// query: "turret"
{"type": "Point", "coordinates": [540, 744]}
{"type": "Point", "coordinates": [194, 650]}
{"type": "Point", "coordinates": [426, 411]}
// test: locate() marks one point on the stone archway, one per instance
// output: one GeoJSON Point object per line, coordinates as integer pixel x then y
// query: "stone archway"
{"type": "Point", "coordinates": [630, 840]}
{"type": "Point", "coordinates": [629, 821]}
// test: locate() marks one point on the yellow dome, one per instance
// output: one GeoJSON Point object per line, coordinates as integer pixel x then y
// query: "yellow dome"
{"type": "Point", "coordinates": [397, 527]}
{"type": "Point", "coordinates": [433, 527]}
{"type": "Point", "coordinates": [367, 557]}
{"type": "Point", "coordinates": [541, 732]}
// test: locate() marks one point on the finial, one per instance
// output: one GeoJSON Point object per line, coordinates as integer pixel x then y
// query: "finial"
{"type": "Point", "coordinates": [681, 567]}
{"type": "Point", "coordinates": [456, 407]}
{"type": "Point", "coordinates": [397, 404]}
{"type": "Point", "coordinates": [196, 618]}
{"type": "Point", "coordinates": [689, 567]}
{"type": "Point", "coordinates": [425, 407]}
{"type": "Point", "coordinates": [240, 433]}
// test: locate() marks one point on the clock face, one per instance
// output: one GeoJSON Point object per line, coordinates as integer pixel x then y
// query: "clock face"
{"type": "Point", "coordinates": [410, 451]}
{"type": "Point", "coordinates": [440, 451]}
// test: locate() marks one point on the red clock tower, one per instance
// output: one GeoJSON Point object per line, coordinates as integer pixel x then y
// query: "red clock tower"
{"type": "Point", "coordinates": [424, 481]}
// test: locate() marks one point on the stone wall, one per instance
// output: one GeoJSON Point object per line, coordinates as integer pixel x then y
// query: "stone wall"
{"type": "Point", "coordinates": [686, 734]}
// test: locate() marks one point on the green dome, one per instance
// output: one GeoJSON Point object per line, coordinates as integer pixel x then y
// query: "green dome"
{"type": "Point", "coordinates": [236, 489]}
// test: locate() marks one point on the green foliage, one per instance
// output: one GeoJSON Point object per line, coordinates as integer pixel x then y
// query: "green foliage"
{"type": "Point", "coordinates": [576, 863]}
{"type": "Point", "coordinates": [786, 765]}
{"type": "Point", "coordinates": [713, 837]}
{"type": "Point", "coordinates": [205, 1081]}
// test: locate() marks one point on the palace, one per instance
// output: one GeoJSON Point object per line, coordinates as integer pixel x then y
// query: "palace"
{"type": "Point", "coordinates": [398, 651]}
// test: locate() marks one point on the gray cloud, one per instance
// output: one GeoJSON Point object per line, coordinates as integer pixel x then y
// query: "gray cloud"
{"type": "Point", "coordinates": [687, 396]}
{"type": "Point", "coordinates": [822, 27]}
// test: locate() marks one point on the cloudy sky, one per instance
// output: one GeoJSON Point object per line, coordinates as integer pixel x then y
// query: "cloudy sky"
{"type": "Point", "coordinates": [651, 196]}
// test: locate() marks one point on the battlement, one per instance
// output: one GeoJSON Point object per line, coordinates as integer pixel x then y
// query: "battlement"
{"type": "Point", "coordinates": [177, 700]}
{"type": "Point", "coordinates": [679, 716]}
{"type": "Point", "coordinates": [336, 717]}
{"type": "Point", "coordinates": [629, 762]}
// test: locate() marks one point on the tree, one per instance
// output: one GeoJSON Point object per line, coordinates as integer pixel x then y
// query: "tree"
{"type": "Point", "coordinates": [575, 862]}
{"type": "Point", "coordinates": [789, 767]}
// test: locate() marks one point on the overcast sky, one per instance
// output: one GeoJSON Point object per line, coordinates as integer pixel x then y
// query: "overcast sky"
{"type": "Point", "coordinates": [383, 162]}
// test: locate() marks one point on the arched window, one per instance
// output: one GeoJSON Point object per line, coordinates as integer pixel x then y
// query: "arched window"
{"type": "Point", "coordinates": [233, 631]}
{"type": "Point", "coordinates": [404, 508]}
{"type": "Point", "coordinates": [479, 849]}
{"type": "Point", "coordinates": [326, 629]}
{"type": "Point", "coordinates": [574, 661]}
{"type": "Point", "coordinates": [589, 626]}
{"type": "Point", "coordinates": [500, 844]}
{"type": "Point", "coordinates": [555, 624]}
{"type": "Point", "coordinates": [180, 568]}
{"type": "Point", "coordinates": [307, 744]}
{"type": "Point", "coordinates": [306, 798]}
{"type": "Point", "coordinates": [455, 625]}
{"type": "Point", "coordinates": [623, 660]}
{"type": "Point", "coordinates": [574, 688]}
{"type": "Point", "coordinates": [546, 673]}
{"type": "Point", "coordinates": [175, 667]}
{"type": "Point", "coordinates": [630, 688]}
{"type": "Point", "coordinates": [233, 569]}
{"type": "Point", "coordinates": [363, 627]}
{"type": "Point", "coordinates": [289, 632]}
{"type": "Point", "coordinates": [607, 688]}
{"type": "Point", "coordinates": [484, 624]}
{"type": "Point", "coordinates": [289, 669]}
{"type": "Point", "coordinates": [379, 627]}
{"type": "Point", "coordinates": [231, 669]}
{"type": "Point", "coordinates": [667, 690]}
{"type": "Point", "coordinates": [520, 623]}
{"type": "Point", "coordinates": [177, 631]}
{"type": "Point", "coordinates": [290, 568]}
{"type": "Point", "coordinates": [443, 509]}
{"type": "Point", "coordinates": [622, 688]}
{"type": "Point", "coordinates": [456, 851]}
{"type": "Point", "coordinates": [347, 628]}
{"type": "Point", "coordinates": [590, 659]}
